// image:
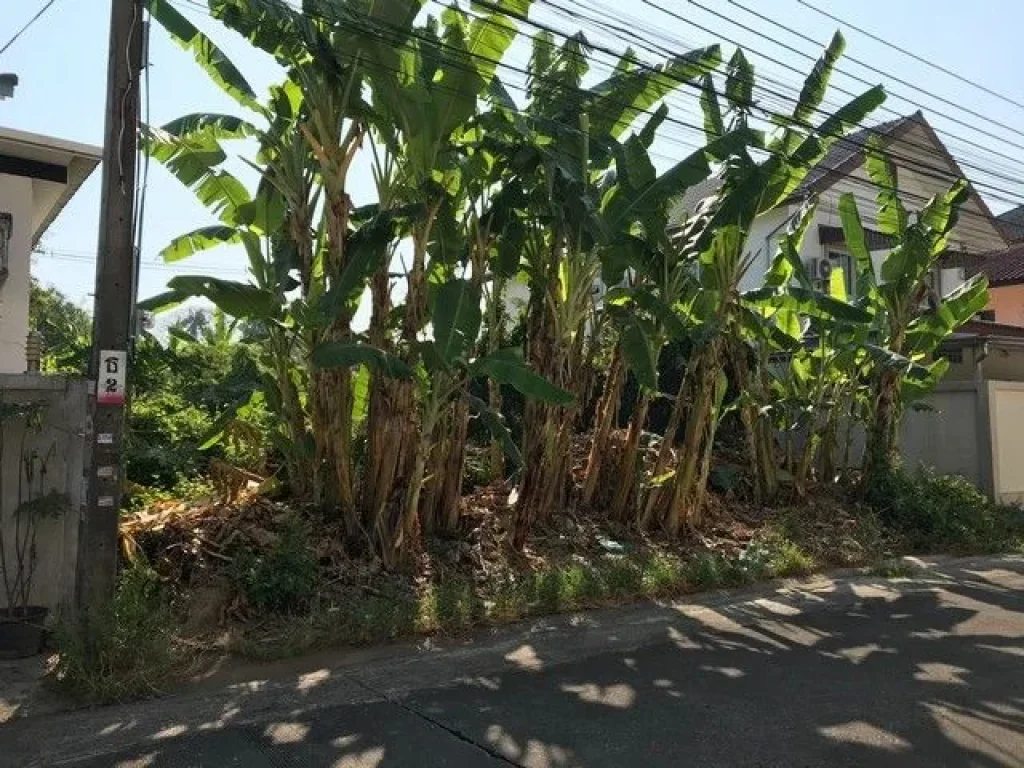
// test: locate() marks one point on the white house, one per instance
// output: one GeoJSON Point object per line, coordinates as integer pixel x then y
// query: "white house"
{"type": "Point", "coordinates": [38, 176]}
{"type": "Point", "coordinates": [924, 167]}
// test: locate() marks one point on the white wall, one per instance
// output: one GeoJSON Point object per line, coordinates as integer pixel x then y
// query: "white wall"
{"type": "Point", "coordinates": [762, 244]}
{"type": "Point", "coordinates": [948, 436]}
{"type": "Point", "coordinates": [1006, 403]}
{"type": "Point", "coordinates": [16, 199]}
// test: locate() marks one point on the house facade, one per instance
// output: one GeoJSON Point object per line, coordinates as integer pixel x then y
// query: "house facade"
{"type": "Point", "coordinates": [1005, 271]}
{"type": "Point", "coordinates": [38, 176]}
{"type": "Point", "coordinates": [924, 168]}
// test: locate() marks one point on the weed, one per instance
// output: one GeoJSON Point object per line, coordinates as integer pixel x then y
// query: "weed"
{"type": "Point", "coordinates": [122, 650]}
{"type": "Point", "coordinates": [282, 579]}
{"type": "Point", "coordinates": [772, 554]}
{"type": "Point", "coordinates": [705, 571]}
{"type": "Point", "coordinates": [623, 578]}
{"type": "Point", "coordinates": [932, 512]}
{"type": "Point", "coordinates": [663, 575]}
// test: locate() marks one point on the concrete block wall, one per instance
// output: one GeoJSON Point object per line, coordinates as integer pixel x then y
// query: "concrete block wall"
{"type": "Point", "coordinates": [63, 435]}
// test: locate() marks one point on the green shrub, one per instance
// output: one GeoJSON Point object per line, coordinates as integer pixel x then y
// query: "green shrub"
{"type": "Point", "coordinates": [282, 579]}
{"type": "Point", "coordinates": [938, 513]}
{"type": "Point", "coordinates": [772, 554]}
{"type": "Point", "coordinates": [663, 575]}
{"type": "Point", "coordinates": [123, 650]}
{"type": "Point", "coordinates": [163, 440]}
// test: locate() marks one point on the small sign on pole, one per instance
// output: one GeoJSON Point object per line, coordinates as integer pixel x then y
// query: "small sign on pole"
{"type": "Point", "coordinates": [110, 384]}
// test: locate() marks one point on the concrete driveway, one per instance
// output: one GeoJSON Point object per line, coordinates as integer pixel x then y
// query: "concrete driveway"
{"type": "Point", "coordinates": [853, 671]}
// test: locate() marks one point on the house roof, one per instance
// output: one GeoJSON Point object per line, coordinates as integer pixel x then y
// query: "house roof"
{"type": "Point", "coordinates": [1012, 223]}
{"type": "Point", "coordinates": [846, 154]}
{"type": "Point", "coordinates": [1003, 267]}
{"type": "Point", "coordinates": [988, 328]}
{"type": "Point", "coordinates": [59, 165]}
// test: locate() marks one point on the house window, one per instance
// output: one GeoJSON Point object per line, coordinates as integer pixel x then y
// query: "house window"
{"type": "Point", "coordinates": [6, 228]}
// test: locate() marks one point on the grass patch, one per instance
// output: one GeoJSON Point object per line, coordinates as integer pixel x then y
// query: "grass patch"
{"type": "Point", "coordinates": [122, 651]}
{"type": "Point", "coordinates": [832, 534]}
{"type": "Point", "coordinates": [455, 605]}
{"type": "Point", "coordinates": [298, 606]}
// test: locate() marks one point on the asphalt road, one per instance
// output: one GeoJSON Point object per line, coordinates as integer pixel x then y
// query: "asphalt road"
{"type": "Point", "coordinates": [902, 676]}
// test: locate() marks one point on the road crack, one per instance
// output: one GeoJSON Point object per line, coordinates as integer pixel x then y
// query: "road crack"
{"type": "Point", "coordinates": [455, 732]}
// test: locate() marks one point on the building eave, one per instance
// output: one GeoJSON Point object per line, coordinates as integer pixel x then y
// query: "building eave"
{"type": "Point", "coordinates": [40, 153]}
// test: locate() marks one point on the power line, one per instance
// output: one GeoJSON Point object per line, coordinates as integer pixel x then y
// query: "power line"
{"type": "Point", "coordinates": [635, 25]}
{"type": "Point", "coordinates": [902, 140]}
{"type": "Point", "coordinates": [28, 24]}
{"type": "Point", "coordinates": [906, 160]}
{"type": "Point", "coordinates": [378, 28]}
{"type": "Point", "coordinates": [785, 99]}
{"type": "Point", "coordinates": [790, 67]}
{"type": "Point", "coordinates": [912, 55]}
{"type": "Point", "coordinates": [872, 68]}
{"type": "Point", "coordinates": [878, 71]}
{"type": "Point", "coordinates": [82, 257]}
{"type": "Point", "coordinates": [946, 175]}
{"type": "Point", "coordinates": [632, 31]}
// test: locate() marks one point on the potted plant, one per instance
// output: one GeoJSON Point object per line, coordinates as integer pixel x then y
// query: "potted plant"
{"type": "Point", "coordinates": [21, 622]}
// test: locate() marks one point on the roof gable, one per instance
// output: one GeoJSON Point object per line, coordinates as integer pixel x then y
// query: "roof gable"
{"type": "Point", "coordinates": [847, 155]}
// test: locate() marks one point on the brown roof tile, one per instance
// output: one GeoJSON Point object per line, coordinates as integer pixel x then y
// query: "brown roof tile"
{"type": "Point", "coordinates": [1004, 267]}
{"type": "Point", "coordinates": [1012, 223]}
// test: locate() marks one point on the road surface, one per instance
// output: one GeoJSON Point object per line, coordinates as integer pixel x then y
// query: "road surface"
{"type": "Point", "coordinates": [927, 672]}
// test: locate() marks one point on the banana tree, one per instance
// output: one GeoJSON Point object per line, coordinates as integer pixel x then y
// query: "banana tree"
{"type": "Point", "coordinates": [719, 311]}
{"type": "Point", "coordinates": [423, 93]}
{"type": "Point", "coordinates": [911, 322]}
{"type": "Point", "coordinates": [192, 148]}
{"type": "Point", "coordinates": [557, 150]}
{"type": "Point", "coordinates": [327, 49]}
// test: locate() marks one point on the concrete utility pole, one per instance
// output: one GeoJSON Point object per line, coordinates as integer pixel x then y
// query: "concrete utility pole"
{"type": "Point", "coordinates": [114, 307]}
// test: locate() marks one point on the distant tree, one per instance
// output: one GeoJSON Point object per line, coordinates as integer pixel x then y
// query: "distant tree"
{"type": "Point", "coordinates": [66, 329]}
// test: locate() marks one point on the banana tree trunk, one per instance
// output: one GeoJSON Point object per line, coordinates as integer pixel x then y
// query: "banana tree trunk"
{"type": "Point", "coordinates": [687, 496]}
{"type": "Point", "coordinates": [750, 419]}
{"type": "Point", "coordinates": [547, 430]}
{"type": "Point", "coordinates": [388, 454]}
{"type": "Point", "coordinates": [331, 389]}
{"type": "Point", "coordinates": [395, 434]}
{"type": "Point", "coordinates": [496, 455]}
{"type": "Point", "coordinates": [649, 500]}
{"type": "Point", "coordinates": [880, 449]}
{"type": "Point", "coordinates": [408, 540]}
{"type": "Point", "coordinates": [439, 508]}
{"type": "Point", "coordinates": [589, 379]}
{"type": "Point", "coordinates": [880, 452]}
{"type": "Point", "coordinates": [293, 420]}
{"type": "Point", "coordinates": [606, 413]}
{"type": "Point", "coordinates": [631, 470]}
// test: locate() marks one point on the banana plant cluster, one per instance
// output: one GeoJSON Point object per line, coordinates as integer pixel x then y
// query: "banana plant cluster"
{"type": "Point", "coordinates": [475, 192]}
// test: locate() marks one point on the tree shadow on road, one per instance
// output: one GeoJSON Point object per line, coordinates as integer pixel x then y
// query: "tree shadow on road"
{"type": "Point", "coordinates": [930, 676]}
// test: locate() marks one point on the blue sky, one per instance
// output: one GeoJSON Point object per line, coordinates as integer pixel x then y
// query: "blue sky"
{"type": "Point", "coordinates": [61, 62]}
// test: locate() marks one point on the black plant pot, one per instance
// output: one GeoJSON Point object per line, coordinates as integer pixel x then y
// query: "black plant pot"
{"type": "Point", "coordinates": [21, 632]}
